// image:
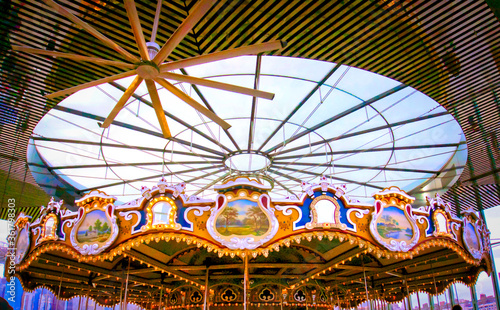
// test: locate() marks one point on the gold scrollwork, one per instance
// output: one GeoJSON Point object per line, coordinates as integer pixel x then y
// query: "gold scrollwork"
{"type": "Point", "coordinates": [228, 295]}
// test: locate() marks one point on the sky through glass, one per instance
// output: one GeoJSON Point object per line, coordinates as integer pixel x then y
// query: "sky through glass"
{"type": "Point", "coordinates": [356, 127]}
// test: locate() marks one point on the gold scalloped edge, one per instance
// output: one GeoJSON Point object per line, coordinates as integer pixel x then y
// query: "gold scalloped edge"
{"type": "Point", "coordinates": [376, 251]}
{"type": "Point", "coordinates": [285, 242]}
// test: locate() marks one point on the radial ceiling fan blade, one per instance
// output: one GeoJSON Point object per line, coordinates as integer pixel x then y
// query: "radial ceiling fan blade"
{"type": "Point", "coordinates": [241, 51]}
{"type": "Point", "coordinates": [90, 84]}
{"type": "Point", "coordinates": [73, 56]}
{"type": "Point", "coordinates": [194, 16]}
{"type": "Point", "coordinates": [178, 93]}
{"type": "Point", "coordinates": [153, 93]}
{"type": "Point", "coordinates": [135, 23]}
{"type": "Point", "coordinates": [218, 85]}
{"type": "Point", "coordinates": [61, 10]}
{"type": "Point", "coordinates": [123, 100]}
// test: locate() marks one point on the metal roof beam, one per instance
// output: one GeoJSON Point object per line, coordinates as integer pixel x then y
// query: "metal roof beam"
{"type": "Point", "coordinates": [381, 149]}
{"type": "Point", "coordinates": [151, 177]}
{"type": "Point", "coordinates": [340, 115]}
{"type": "Point", "coordinates": [361, 132]}
{"type": "Point", "coordinates": [138, 129]}
{"type": "Point", "coordinates": [301, 103]}
{"type": "Point", "coordinates": [330, 176]}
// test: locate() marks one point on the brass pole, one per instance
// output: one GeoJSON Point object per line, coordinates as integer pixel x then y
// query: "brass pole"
{"type": "Point", "coordinates": [87, 302]}
{"type": "Point", "coordinates": [41, 294]}
{"type": "Point", "coordinates": [435, 287]}
{"type": "Point", "coordinates": [59, 291]}
{"type": "Point", "coordinates": [338, 299]}
{"type": "Point", "coordinates": [418, 300]}
{"type": "Point", "coordinates": [161, 295]}
{"type": "Point", "coordinates": [79, 302]}
{"type": "Point", "coordinates": [126, 286]}
{"type": "Point", "coordinates": [245, 281]}
{"type": "Point", "coordinates": [408, 293]}
{"type": "Point", "coordinates": [366, 287]}
{"type": "Point", "coordinates": [205, 299]}
{"type": "Point", "coordinates": [121, 291]}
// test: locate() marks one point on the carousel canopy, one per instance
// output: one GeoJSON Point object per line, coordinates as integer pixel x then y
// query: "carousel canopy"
{"type": "Point", "coordinates": [245, 248]}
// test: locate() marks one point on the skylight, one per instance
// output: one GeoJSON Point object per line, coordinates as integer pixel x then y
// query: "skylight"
{"type": "Point", "coordinates": [357, 128]}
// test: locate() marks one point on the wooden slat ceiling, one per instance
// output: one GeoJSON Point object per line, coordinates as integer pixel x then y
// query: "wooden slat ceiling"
{"type": "Point", "coordinates": [448, 50]}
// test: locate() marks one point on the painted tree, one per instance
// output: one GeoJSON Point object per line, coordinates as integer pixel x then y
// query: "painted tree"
{"type": "Point", "coordinates": [255, 213]}
{"type": "Point", "coordinates": [97, 225]}
{"type": "Point", "coordinates": [229, 214]}
{"type": "Point", "coordinates": [105, 227]}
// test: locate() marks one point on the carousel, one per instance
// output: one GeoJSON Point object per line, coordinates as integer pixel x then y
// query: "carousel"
{"type": "Point", "coordinates": [245, 250]}
{"type": "Point", "coordinates": [250, 209]}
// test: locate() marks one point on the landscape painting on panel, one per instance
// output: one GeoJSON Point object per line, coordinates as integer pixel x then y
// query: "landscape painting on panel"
{"type": "Point", "coordinates": [22, 245]}
{"type": "Point", "coordinates": [471, 237]}
{"type": "Point", "coordinates": [95, 228]}
{"type": "Point", "coordinates": [242, 217]}
{"type": "Point", "coordinates": [393, 224]}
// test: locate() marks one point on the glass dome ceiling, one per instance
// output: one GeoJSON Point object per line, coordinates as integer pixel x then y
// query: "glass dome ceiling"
{"type": "Point", "coordinates": [353, 126]}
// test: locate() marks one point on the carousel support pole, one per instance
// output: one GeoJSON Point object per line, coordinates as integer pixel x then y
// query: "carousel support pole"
{"type": "Point", "coordinates": [473, 295]}
{"type": "Point", "coordinates": [79, 302]}
{"type": "Point", "coordinates": [408, 296]}
{"type": "Point", "coordinates": [452, 295]}
{"type": "Point", "coordinates": [87, 302]}
{"type": "Point", "coordinates": [121, 301]}
{"type": "Point", "coordinates": [245, 282]}
{"type": "Point", "coordinates": [494, 276]}
{"type": "Point", "coordinates": [59, 291]}
{"type": "Point", "coordinates": [126, 286]}
{"type": "Point", "coordinates": [418, 300]}
{"type": "Point", "coordinates": [366, 287]}
{"type": "Point", "coordinates": [338, 299]}
{"type": "Point", "coordinates": [40, 300]}
{"type": "Point", "coordinates": [281, 297]}
{"type": "Point", "coordinates": [205, 298]}
{"type": "Point", "coordinates": [161, 295]}
{"type": "Point", "coordinates": [456, 294]}
{"type": "Point", "coordinates": [41, 294]}
{"type": "Point", "coordinates": [435, 287]}
{"type": "Point", "coordinates": [431, 302]}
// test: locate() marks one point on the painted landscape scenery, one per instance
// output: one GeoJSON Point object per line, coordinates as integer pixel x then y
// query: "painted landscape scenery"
{"type": "Point", "coordinates": [95, 228]}
{"type": "Point", "coordinates": [393, 224]}
{"type": "Point", "coordinates": [22, 245]}
{"type": "Point", "coordinates": [242, 217]}
{"type": "Point", "coordinates": [470, 236]}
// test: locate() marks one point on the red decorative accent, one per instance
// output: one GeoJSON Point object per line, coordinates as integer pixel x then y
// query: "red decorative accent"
{"type": "Point", "coordinates": [264, 201]}
{"type": "Point", "coordinates": [408, 210]}
{"type": "Point", "coordinates": [378, 206]}
{"type": "Point", "coordinates": [220, 201]}
{"type": "Point", "coordinates": [110, 210]}
{"type": "Point", "coordinates": [80, 213]}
